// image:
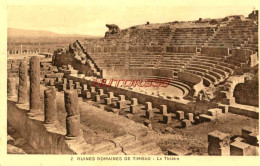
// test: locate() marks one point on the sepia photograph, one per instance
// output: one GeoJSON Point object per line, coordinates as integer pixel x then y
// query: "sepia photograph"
{"type": "Point", "coordinates": [130, 80]}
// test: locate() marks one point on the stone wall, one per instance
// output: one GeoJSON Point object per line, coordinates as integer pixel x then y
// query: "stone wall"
{"type": "Point", "coordinates": [212, 51]}
{"type": "Point", "coordinates": [196, 80]}
{"type": "Point", "coordinates": [43, 138]}
{"type": "Point", "coordinates": [173, 105]}
{"type": "Point", "coordinates": [181, 49]}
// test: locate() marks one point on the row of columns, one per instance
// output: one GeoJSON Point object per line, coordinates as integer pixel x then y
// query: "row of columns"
{"type": "Point", "coordinates": [50, 106]}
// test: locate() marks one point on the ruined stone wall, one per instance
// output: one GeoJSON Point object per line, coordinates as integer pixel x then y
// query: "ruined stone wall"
{"type": "Point", "coordinates": [194, 79]}
{"type": "Point", "coordinates": [247, 93]}
{"type": "Point", "coordinates": [50, 141]}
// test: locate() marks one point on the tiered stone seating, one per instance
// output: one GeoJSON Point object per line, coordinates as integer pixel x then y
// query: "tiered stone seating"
{"type": "Point", "coordinates": [208, 68]}
{"type": "Point", "coordinates": [174, 61]}
{"type": "Point", "coordinates": [143, 60]}
{"type": "Point", "coordinates": [191, 36]}
{"type": "Point", "coordinates": [117, 60]}
{"type": "Point", "coordinates": [235, 34]}
{"type": "Point", "coordinates": [149, 36]}
{"type": "Point", "coordinates": [184, 87]}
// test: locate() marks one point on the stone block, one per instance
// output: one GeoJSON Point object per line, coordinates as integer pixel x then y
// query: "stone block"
{"type": "Point", "coordinates": [85, 87]}
{"type": "Point", "coordinates": [167, 118]}
{"type": "Point", "coordinates": [224, 108]}
{"type": "Point", "coordinates": [110, 94]}
{"type": "Point", "coordinates": [108, 101]}
{"type": "Point", "coordinates": [196, 119]}
{"type": "Point", "coordinates": [148, 106]}
{"type": "Point", "coordinates": [206, 118]}
{"type": "Point", "coordinates": [92, 89]}
{"type": "Point", "coordinates": [88, 95]}
{"type": "Point", "coordinates": [190, 117]}
{"type": "Point", "coordinates": [121, 104]}
{"type": "Point", "coordinates": [219, 144]}
{"type": "Point", "coordinates": [250, 135]}
{"type": "Point", "coordinates": [134, 101]}
{"type": "Point", "coordinates": [121, 97]}
{"type": "Point", "coordinates": [185, 123]}
{"type": "Point", "coordinates": [238, 148]}
{"type": "Point", "coordinates": [101, 92]}
{"type": "Point", "coordinates": [163, 109]}
{"type": "Point", "coordinates": [71, 86]}
{"type": "Point", "coordinates": [97, 98]}
{"type": "Point", "coordinates": [180, 115]}
{"type": "Point", "coordinates": [134, 109]}
{"type": "Point", "coordinates": [65, 81]}
{"type": "Point", "coordinates": [149, 114]}
{"type": "Point", "coordinates": [64, 87]}
{"type": "Point", "coordinates": [215, 112]}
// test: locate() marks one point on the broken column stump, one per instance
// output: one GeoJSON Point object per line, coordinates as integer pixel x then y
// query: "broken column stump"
{"type": "Point", "coordinates": [11, 86]}
{"type": "Point", "coordinates": [73, 116]}
{"type": "Point", "coordinates": [35, 103]}
{"type": "Point", "coordinates": [50, 107]}
{"type": "Point", "coordinates": [22, 88]}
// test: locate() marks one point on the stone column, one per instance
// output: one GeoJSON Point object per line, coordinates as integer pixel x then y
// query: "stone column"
{"type": "Point", "coordinates": [11, 86]}
{"type": "Point", "coordinates": [50, 107]}
{"type": "Point", "coordinates": [73, 117]}
{"type": "Point", "coordinates": [35, 103]}
{"type": "Point", "coordinates": [22, 88]}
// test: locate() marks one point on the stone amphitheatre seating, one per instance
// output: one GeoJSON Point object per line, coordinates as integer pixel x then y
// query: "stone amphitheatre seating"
{"type": "Point", "coordinates": [174, 61]}
{"type": "Point", "coordinates": [116, 60]}
{"type": "Point", "coordinates": [191, 36]}
{"type": "Point", "coordinates": [212, 69]}
{"type": "Point", "coordinates": [143, 60]}
{"type": "Point", "coordinates": [148, 35]}
{"type": "Point", "coordinates": [183, 86]}
{"type": "Point", "coordinates": [235, 34]}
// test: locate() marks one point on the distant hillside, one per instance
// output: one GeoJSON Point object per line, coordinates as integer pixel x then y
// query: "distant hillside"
{"type": "Point", "coordinates": [17, 33]}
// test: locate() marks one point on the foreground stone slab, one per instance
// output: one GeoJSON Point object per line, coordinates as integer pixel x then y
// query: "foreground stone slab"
{"type": "Point", "coordinates": [239, 148]}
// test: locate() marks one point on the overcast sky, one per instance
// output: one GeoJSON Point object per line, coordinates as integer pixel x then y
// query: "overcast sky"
{"type": "Point", "coordinates": [90, 17]}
